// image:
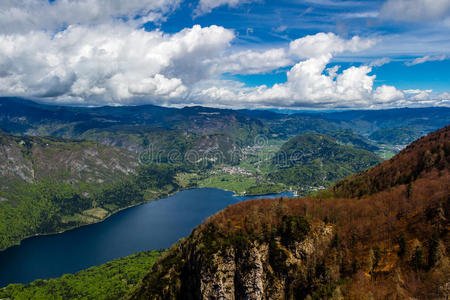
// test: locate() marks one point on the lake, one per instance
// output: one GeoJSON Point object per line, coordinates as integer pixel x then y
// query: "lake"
{"type": "Point", "coordinates": [155, 225]}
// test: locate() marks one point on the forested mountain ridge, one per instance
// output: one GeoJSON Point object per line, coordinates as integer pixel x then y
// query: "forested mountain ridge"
{"type": "Point", "coordinates": [363, 122]}
{"type": "Point", "coordinates": [306, 147]}
{"type": "Point", "coordinates": [429, 153]}
{"type": "Point", "coordinates": [389, 240]}
{"type": "Point", "coordinates": [318, 160]}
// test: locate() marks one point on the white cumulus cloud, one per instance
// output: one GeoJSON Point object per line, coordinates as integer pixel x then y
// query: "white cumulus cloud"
{"type": "Point", "coordinates": [107, 64]}
{"type": "Point", "coordinates": [99, 61]}
{"type": "Point", "coordinates": [310, 83]}
{"type": "Point", "coordinates": [417, 94]}
{"type": "Point", "coordinates": [252, 62]}
{"type": "Point", "coordinates": [442, 99]}
{"type": "Point", "coordinates": [387, 94]}
{"type": "Point", "coordinates": [327, 43]}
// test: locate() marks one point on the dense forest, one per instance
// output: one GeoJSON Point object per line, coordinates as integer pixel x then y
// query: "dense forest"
{"type": "Point", "coordinates": [318, 159]}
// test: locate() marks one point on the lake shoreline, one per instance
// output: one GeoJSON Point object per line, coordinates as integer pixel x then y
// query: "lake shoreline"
{"type": "Point", "coordinates": [110, 214]}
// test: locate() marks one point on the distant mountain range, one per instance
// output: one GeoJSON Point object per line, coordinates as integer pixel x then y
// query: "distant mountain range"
{"type": "Point", "coordinates": [20, 116]}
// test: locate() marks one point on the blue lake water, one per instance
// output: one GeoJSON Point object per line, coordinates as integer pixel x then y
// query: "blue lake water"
{"type": "Point", "coordinates": [155, 225]}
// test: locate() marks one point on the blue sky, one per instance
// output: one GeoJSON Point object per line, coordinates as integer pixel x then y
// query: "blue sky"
{"type": "Point", "coordinates": [278, 21]}
{"type": "Point", "coordinates": [271, 23]}
{"type": "Point", "coordinates": [300, 54]}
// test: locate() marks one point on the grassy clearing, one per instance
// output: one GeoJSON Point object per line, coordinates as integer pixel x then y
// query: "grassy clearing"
{"type": "Point", "coordinates": [387, 151]}
{"type": "Point", "coordinates": [98, 213]}
{"type": "Point", "coordinates": [236, 183]}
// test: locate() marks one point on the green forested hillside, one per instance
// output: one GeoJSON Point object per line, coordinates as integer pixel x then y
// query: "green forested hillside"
{"type": "Point", "coordinates": [395, 136]}
{"type": "Point", "coordinates": [317, 159]}
{"type": "Point", "coordinates": [112, 280]}
{"type": "Point", "coordinates": [350, 138]}
{"type": "Point", "coordinates": [50, 184]}
{"type": "Point", "coordinates": [50, 206]}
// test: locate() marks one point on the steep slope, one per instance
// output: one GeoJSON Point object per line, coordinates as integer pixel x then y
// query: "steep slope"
{"type": "Point", "coordinates": [32, 159]}
{"type": "Point", "coordinates": [430, 153]}
{"type": "Point", "coordinates": [48, 185]}
{"type": "Point", "coordinates": [388, 241]}
{"type": "Point", "coordinates": [318, 159]}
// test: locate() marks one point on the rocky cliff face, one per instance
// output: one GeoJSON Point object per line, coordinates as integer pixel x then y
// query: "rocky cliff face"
{"type": "Point", "coordinates": [256, 272]}
{"type": "Point", "coordinates": [274, 268]}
